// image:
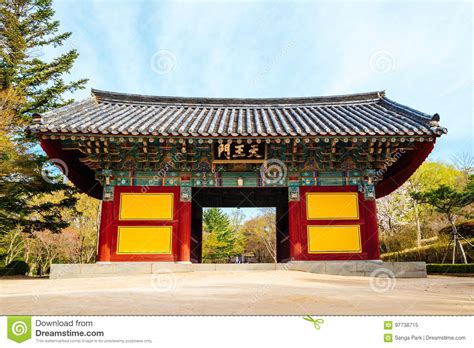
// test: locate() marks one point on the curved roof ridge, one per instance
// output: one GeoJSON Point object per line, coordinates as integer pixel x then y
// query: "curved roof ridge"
{"type": "Point", "coordinates": [107, 96]}
{"type": "Point", "coordinates": [406, 108]}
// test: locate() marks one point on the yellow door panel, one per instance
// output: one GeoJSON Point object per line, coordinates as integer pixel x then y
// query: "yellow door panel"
{"type": "Point", "coordinates": [332, 205]}
{"type": "Point", "coordinates": [144, 240]}
{"type": "Point", "coordinates": [146, 206]}
{"type": "Point", "coordinates": [334, 239]}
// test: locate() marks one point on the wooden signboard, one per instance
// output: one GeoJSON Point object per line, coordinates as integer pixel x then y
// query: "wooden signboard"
{"type": "Point", "coordinates": [239, 153]}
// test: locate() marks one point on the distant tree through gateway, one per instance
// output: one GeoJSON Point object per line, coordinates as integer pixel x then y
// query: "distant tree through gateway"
{"type": "Point", "coordinates": [252, 236]}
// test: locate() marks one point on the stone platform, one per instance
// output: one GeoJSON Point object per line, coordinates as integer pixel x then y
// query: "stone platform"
{"type": "Point", "coordinates": [343, 268]}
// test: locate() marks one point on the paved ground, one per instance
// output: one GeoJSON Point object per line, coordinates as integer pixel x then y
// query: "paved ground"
{"type": "Point", "coordinates": [237, 293]}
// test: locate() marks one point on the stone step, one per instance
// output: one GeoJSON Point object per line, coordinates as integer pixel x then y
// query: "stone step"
{"type": "Point", "coordinates": [369, 268]}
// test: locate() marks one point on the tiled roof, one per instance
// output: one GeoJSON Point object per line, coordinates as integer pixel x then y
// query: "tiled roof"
{"type": "Point", "coordinates": [368, 114]}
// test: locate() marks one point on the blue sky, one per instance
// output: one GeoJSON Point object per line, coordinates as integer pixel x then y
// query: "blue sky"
{"type": "Point", "coordinates": [419, 52]}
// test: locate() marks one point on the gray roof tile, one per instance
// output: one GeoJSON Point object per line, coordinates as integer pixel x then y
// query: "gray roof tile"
{"type": "Point", "coordinates": [127, 114]}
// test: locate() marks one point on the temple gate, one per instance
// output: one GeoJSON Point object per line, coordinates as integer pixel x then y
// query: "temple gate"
{"type": "Point", "coordinates": [156, 161]}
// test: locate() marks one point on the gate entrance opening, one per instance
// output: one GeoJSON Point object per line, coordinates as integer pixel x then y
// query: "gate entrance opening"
{"type": "Point", "coordinates": [241, 198]}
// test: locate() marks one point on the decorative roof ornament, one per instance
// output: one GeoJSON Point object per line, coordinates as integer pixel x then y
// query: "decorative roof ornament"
{"type": "Point", "coordinates": [435, 120]}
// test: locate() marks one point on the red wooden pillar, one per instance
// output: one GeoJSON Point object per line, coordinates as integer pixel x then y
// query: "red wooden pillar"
{"type": "Point", "coordinates": [371, 230]}
{"type": "Point", "coordinates": [294, 230]}
{"type": "Point", "coordinates": [184, 232]}
{"type": "Point", "coordinates": [105, 232]}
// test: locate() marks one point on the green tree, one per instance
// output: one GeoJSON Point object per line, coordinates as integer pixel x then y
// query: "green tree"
{"type": "Point", "coordinates": [30, 85]}
{"type": "Point", "coordinates": [236, 218]}
{"type": "Point", "coordinates": [86, 224]}
{"type": "Point", "coordinates": [26, 200]}
{"type": "Point", "coordinates": [27, 27]}
{"type": "Point", "coordinates": [405, 223]}
{"type": "Point", "coordinates": [218, 237]}
{"type": "Point", "coordinates": [449, 201]}
{"type": "Point", "coordinates": [429, 176]}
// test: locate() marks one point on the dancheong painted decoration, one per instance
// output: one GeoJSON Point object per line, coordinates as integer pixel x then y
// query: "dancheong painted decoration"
{"type": "Point", "coordinates": [156, 161]}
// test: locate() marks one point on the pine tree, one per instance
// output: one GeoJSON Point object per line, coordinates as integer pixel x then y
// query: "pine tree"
{"type": "Point", "coordinates": [218, 239]}
{"type": "Point", "coordinates": [30, 85]}
{"type": "Point", "coordinates": [27, 26]}
{"type": "Point", "coordinates": [449, 201]}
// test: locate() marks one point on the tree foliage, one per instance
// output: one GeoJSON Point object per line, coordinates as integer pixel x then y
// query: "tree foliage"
{"type": "Point", "coordinates": [75, 244]}
{"type": "Point", "coordinates": [28, 26]}
{"type": "Point", "coordinates": [436, 195]}
{"type": "Point", "coordinates": [446, 199]}
{"type": "Point", "coordinates": [406, 223]}
{"type": "Point", "coordinates": [219, 239]}
{"type": "Point", "coordinates": [30, 85]}
{"type": "Point", "coordinates": [260, 234]}
{"type": "Point", "coordinates": [226, 237]}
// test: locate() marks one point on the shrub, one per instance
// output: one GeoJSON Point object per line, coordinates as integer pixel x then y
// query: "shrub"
{"type": "Point", "coordinates": [465, 229]}
{"type": "Point", "coordinates": [450, 268]}
{"type": "Point", "coordinates": [430, 254]}
{"type": "Point", "coordinates": [15, 268]}
{"type": "Point", "coordinates": [403, 239]}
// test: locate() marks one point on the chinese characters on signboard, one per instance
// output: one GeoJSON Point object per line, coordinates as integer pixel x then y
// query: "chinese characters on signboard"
{"type": "Point", "coordinates": [234, 152]}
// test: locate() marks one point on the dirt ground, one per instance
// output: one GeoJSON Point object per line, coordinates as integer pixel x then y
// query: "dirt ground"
{"type": "Point", "coordinates": [237, 293]}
